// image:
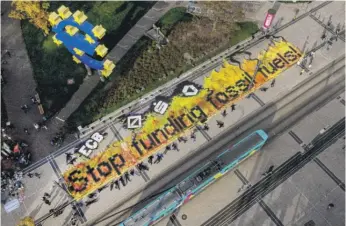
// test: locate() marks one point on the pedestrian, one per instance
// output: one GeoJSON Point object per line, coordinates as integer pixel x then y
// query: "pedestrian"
{"type": "Point", "coordinates": [168, 148]}
{"type": "Point", "coordinates": [37, 175]}
{"type": "Point", "coordinates": [220, 123]}
{"type": "Point", "coordinates": [159, 157]}
{"type": "Point", "coordinates": [132, 172]}
{"type": "Point", "coordinates": [193, 136]}
{"type": "Point", "coordinates": [24, 109]}
{"type": "Point", "coordinates": [112, 185]}
{"type": "Point", "coordinates": [8, 53]}
{"type": "Point", "coordinates": [142, 166]}
{"type": "Point", "coordinates": [72, 161]}
{"type": "Point", "coordinates": [33, 100]}
{"type": "Point", "coordinates": [92, 195]}
{"type": "Point", "coordinates": [127, 177]}
{"type": "Point", "coordinates": [122, 181]}
{"type": "Point", "coordinates": [206, 127]}
{"type": "Point", "coordinates": [302, 71]}
{"type": "Point", "coordinates": [224, 113]}
{"type": "Point", "coordinates": [330, 205]}
{"type": "Point", "coordinates": [30, 175]}
{"type": "Point", "coordinates": [174, 146]}
{"type": "Point", "coordinates": [273, 83]}
{"type": "Point", "coordinates": [116, 184]}
{"type": "Point", "coordinates": [46, 195]}
{"type": "Point", "coordinates": [47, 202]}
{"type": "Point", "coordinates": [68, 157]}
{"type": "Point", "coordinates": [185, 140]}
{"type": "Point", "coordinates": [323, 36]}
{"type": "Point", "coordinates": [233, 107]}
{"type": "Point", "coordinates": [26, 131]}
{"type": "Point", "coordinates": [150, 159]}
{"type": "Point", "coordinates": [264, 89]}
{"type": "Point", "coordinates": [180, 139]}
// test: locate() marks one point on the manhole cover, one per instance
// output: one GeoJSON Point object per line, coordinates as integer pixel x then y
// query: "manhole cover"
{"type": "Point", "coordinates": [184, 216]}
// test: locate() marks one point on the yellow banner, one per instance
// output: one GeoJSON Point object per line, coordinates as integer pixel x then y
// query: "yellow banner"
{"type": "Point", "coordinates": [219, 90]}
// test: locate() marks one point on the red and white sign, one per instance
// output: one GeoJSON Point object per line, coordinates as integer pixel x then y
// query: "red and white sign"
{"type": "Point", "coordinates": [268, 21]}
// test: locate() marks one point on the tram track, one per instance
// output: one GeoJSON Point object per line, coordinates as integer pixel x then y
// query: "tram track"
{"type": "Point", "coordinates": [279, 175]}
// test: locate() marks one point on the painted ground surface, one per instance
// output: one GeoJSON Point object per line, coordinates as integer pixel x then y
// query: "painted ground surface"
{"type": "Point", "coordinates": [220, 89]}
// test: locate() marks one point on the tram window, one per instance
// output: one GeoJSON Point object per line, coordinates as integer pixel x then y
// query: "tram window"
{"type": "Point", "coordinates": [186, 185]}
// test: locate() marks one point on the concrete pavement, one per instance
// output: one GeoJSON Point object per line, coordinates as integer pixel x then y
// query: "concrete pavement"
{"type": "Point", "coordinates": [303, 197]}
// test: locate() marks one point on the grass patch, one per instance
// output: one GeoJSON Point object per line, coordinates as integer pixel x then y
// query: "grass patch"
{"type": "Point", "coordinates": [53, 65]}
{"type": "Point", "coordinates": [172, 17]}
{"type": "Point", "coordinates": [246, 30]}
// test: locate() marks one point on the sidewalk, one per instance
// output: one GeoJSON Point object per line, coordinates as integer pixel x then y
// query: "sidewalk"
{"type": "Point", "coordinates": [20, 87]}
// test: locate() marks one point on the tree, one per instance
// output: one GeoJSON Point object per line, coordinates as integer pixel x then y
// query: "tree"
{"type": "Point", "coordinates": [222, 11]}
{"type": "Point", "coordinates": [35, 11]}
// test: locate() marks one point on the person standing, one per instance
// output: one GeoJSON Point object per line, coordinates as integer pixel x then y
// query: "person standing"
{"type": "Point", "coordinates": [330, 205]}
{"type": "Point", "coordinates": [159, 157]}
{"type": "Point", "coordinates": [150, 159]}
{"type": "Point", "coordinates": [233, 107]}
{"type": "Point", "coordinates": [273, 83]}
{"type": "Point", "coordinates": [220, 123]}
{"type": "Point", "coordinates": [193, 137]}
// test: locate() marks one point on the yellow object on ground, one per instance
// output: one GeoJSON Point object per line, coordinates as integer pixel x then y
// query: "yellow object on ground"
{"type": "Point", "coordinates": [64, 12]}
{"type": "Point", "coordinates": [78, 51]}
{"type": "Point", "coordinates": [54, 19]}
{"type": "Point", "coordinates": [56, 41]}
{"type": "Point", "coordinates": [71, 30]}
{"type": "Point", "coordinates": [99, 31]}
{"type": "Point", "coordinates": [75, 59]}
{"type": "Point", "coordinates": [79, 17]}
{"type": "Point", "coordinates": [26, 221]}
{"type": "Point", "coordinates": [89, 39]}
{"type": "Point", "coordinates": [101, 50]}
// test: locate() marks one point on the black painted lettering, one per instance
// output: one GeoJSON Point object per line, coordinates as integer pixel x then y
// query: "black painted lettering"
{"type": "Point", "coordinates": [151, 145]}
{"type": "Point", "coordinates": [136, 146]}
{"type": "Point", "coordinates": [222, 97]}
{"type": "Point", "coordinates": [289, 55]}
{"type": "Point", "coordinates": [155, 133]}
{"type": "Point", "coordinates": [198, 113]}
{"type": "Point", "coordinates": [103, 165]}
{"type": "Point", "coordinates": [278, 63]}
{"type": "Point", "coordinates": [72, 178]}
{"type": "Point", "coordinates": [282, 58]}
{"type": "Point", "coordinates": [115, 165]}
{"type": "Point", "coordinates": [90, 170]}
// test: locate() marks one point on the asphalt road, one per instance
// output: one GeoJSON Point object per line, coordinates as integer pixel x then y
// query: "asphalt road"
{"type": "Point", "coordinates": [301, 101]}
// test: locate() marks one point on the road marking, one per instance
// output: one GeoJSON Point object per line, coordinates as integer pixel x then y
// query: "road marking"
{"type": "Point", "coordinates": [330, 174]}
{"type": "Point", "coordinates": [257, 99]}
{"type": "Point", "coordinates": [60, 119]}
{"type": "Point", "coordinates": [270, 213]}
{"type": "Point", "coordinates": [144, 175]}
{"type": "Point", "coordinates": [175, 220]}
{"type": "Point", "coordinates": [295, 137]}
{"type": "Point", "coordinates": [204, 133]}
{"type": "Point", "coordinates": [241, 177]}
